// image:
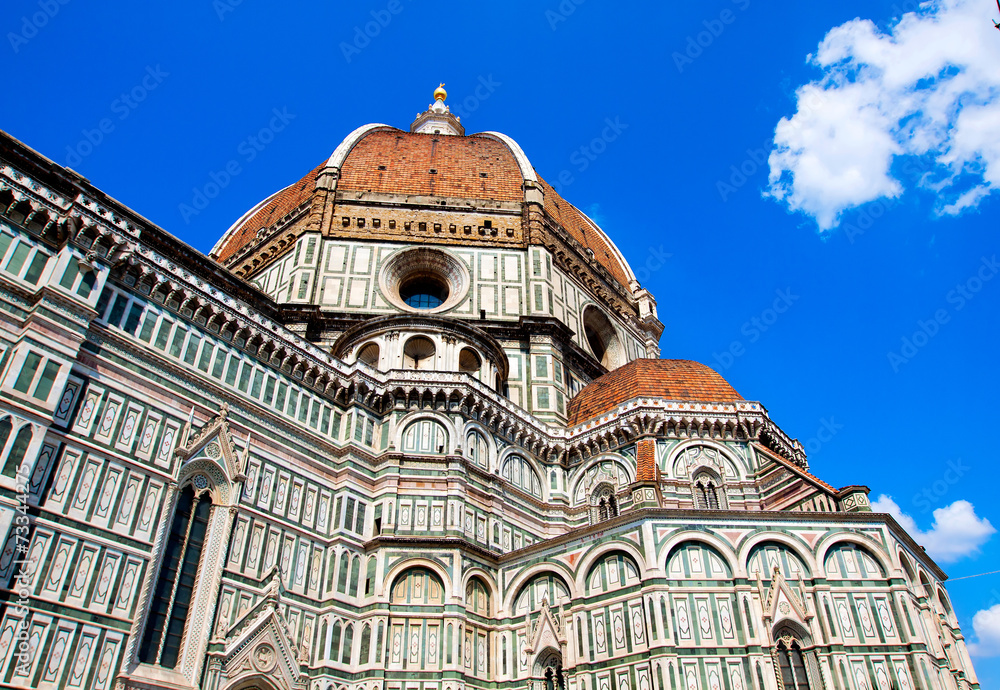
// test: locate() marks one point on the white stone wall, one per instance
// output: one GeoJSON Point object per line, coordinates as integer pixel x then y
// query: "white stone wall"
{"type": "Point", "coordinates": [343, 276]}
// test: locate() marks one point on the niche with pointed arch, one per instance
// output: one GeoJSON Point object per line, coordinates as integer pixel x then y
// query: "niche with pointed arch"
{"type": "Point", "coordinates": [602, 338]}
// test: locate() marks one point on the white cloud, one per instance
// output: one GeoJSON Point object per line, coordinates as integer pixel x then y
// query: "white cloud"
{"type": "Point", "coordinates": [957, 531]}
{"type": "Point", "coordinates": [986, 623]}
{"type": "Point", "coordinates": [926, 89]}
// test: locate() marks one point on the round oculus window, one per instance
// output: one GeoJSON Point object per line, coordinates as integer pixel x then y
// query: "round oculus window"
{"type": "Point", "coordinates": [424, 279]}
{"type": "Point", "coordinates": [424, 292]}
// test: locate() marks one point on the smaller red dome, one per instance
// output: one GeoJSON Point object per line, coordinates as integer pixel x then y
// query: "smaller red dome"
{"type": "Point", "coordinates": [667, 379]}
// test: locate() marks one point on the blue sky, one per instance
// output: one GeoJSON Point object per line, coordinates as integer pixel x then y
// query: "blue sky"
{"type": "Point", "coordinates": [873, 225]}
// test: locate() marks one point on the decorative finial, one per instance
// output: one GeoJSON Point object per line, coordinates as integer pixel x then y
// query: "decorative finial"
{"type": "Point", "coordinates": [439, 93]}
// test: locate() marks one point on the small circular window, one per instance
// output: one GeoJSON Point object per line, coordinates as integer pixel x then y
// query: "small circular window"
{"type": "Point", "coordinates": [424, 279]}
{"type": "Point", "coordinates": [424, 292]}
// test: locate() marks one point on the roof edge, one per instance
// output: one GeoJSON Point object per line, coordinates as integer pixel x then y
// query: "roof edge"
{"type": "Point", "coordinates": [527, 171]}
{"type": "Point", "coordinates": [220, 245]}
{"type": "Point", "coordinates": [614, 247]}
{"type": "Point", "coordinates": [343, 149]}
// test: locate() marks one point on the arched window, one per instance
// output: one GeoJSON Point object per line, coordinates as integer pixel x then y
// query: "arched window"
{"type": "Point", "coordinates": [418, 353]}
{"type": "Point", "coordinates": [695, 560]}
{"type": "Point", "coordinates": [477, 597]}
{"type": "Point", "coordinates": [911, 577]}
{"type": "Point", "coordinates": [925, 585]}
{"type": "Point", "coordinates": [335, 635]}
{"type": "Point", "coordinates": [425, 436]}
{"type": "Point", "coordinates": [547, 587]}
{"type": "Point", "coordinates": [355, 575]}
{"type": "Point", "coordinates": [603, 504]}
{"type": "Point", "coordinates": [849, 561]}
{"type": "Point", "coordinates": [791, 661]}
{"type": "Point", "coordinates": [369, 354]}
{"type": "Point", "coordinates": [548, 669]}
{"type": "Point", "coordinates": [321, 653]}
{"type": "Point", "coordinates": [765, 557]}
{"type": "Point", "coordinates": [168, 611]}
{"type": "Point", "coordinates": [345, 657]}
{"type": "Point", "coordinates": [370, 575]}
{"type": "Point", "coordinates": [419, 586]}
{"type": "Point", "coordinates": [613, 571]}
{"type": "Point", "coordinates": [520, 473]}
{"type": "Point", "coordinates": [469, 362]}
{"type": "Point", "coordinates": [345, 565]}
{"type": "Point", "coordinates": [707, 490]}
{"type": "Point", "coordinates": [602, 338]}
{"type": "Point", "coordinates": [945, 604]}
{"type": "Point", "coordinates": [366, 641]}
{"type": "Point", "coordinates": [477, 449]}
{"type": "Point", "coordinates": [5, 428]}
{"type": "Point", "coordinates": [18, 449]}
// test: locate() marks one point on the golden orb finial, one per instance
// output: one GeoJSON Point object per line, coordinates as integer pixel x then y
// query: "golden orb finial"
{"type": "Point", "coordinates": [439, 93]}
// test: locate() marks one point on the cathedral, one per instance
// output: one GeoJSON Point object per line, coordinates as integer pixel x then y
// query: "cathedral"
{"type": "Point", "coordinates": [407, 427]}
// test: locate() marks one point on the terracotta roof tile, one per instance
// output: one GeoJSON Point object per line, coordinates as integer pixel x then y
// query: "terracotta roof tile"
{"type": "Point", "coordinates": [581, 230]}
{"type": "Point", "coordinates": [667, 379]}
{"type": "Point", "coordinates": [408, 159]}
{"type": "Point", "coordinates": [645, 460]}
{"type": "Point", "coordinates": [459, 162]}
{"type": "Point", "coordinates": [793, 467]}
{"type": "Point", "coordinates": [281, 204]}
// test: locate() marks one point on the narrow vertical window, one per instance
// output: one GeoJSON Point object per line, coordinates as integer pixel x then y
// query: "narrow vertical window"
{"type": "Point", "coordinates": [706, 492]}
{"type": "Point", "coordinates": [27, 373]}
{"type": "Point", "coordinates": [792, 665]}
{"type": "Point", "coordinates": [366, 641]}
{"type": "Point", "coordinates": [18, 449]}
{"type": "Point", "coordinates": [348, 643]}
{"type": "Point", "coordinates": [171, 602]}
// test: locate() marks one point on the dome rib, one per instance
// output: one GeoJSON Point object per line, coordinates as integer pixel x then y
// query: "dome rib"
{"type": "Point", "coordinates": [588, 234]}
{"type": "Point", "coordinates": [265, 214]}
{"type": "Point", "coordinates": [489, 166]}
{"type": "Point", "coordinates": [527, 171]}
{"type": "Point", "coordinates": [345, 147]}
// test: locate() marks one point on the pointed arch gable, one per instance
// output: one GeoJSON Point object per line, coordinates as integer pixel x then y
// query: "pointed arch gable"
{"type": "Point", "coordinates": [220, 486]}
{"type": "Point", "coordinates": [584, 478]}
{"type": "Point", "coordinates": [254, 681]}
{"type": "Point", "coordinates": [731, 467]}
{"type": "Point", "coordinates": [268, 628]}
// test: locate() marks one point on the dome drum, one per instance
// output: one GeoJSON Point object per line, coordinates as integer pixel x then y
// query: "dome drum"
{"type": "Point", "coordinates": [424, 342]}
